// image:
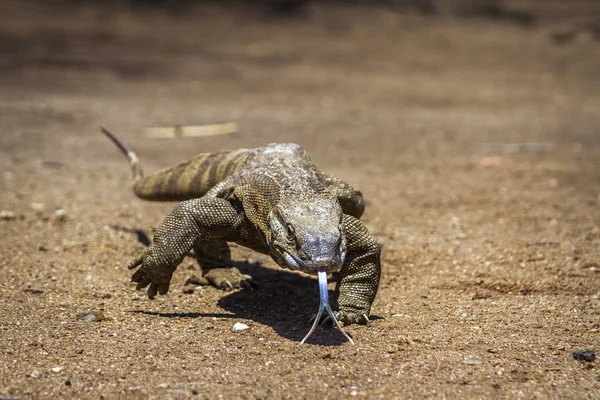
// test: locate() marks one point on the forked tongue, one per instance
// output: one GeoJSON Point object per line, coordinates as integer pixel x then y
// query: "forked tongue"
{"type": "Point", "coordinates": [324, 305]}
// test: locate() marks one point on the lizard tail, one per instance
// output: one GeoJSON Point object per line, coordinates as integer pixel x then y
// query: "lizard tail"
{"type": "Point", "coordinates": [188, 180]}
{"type": "Point", "coordinates": [134, 161]}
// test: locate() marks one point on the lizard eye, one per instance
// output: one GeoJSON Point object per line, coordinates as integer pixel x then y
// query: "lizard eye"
{"type": "Point", "coordinates": [290, 234]}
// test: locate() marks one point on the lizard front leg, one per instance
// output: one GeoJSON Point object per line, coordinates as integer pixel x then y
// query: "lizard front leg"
{"type": "Point", "coordinates": [350, 199]}
{"type": "Point", "coordinates": [359, 276]}
{"type": "Point", "coordinates": [191, 221]}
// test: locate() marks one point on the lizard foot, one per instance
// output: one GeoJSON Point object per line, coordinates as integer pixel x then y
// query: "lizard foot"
{"type": "Point", "coordinates": [349, 317]}
{"type": "Point", "coordinates": [343, 318]}
{"type": "Point", "coordinates": [229, 279]}
{"type": "Point", "coordinates": [154, 272]}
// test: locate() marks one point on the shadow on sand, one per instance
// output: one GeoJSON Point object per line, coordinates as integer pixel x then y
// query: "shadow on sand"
{"type": "Point", "coordinates": [283, 300]}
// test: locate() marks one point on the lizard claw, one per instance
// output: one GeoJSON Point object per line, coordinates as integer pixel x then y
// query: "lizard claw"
{"type": "Point", "coordinates": [366, 319]}
{"type": "Point", "coordinates": [134, 263]}
{"type": "Point", "coordinates": [352, 317]}
{"type": "Point", "coordinates": [228, 278]}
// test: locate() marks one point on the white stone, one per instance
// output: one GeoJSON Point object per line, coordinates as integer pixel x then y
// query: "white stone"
{"type": "Point", "coordinates": [240, 327]}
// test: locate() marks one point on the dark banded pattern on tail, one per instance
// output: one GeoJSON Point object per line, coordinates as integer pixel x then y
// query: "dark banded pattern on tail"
{"type": "Point", "coordinates": [190, 179]}
{"type": "Point", "coordinates": [187, 180]}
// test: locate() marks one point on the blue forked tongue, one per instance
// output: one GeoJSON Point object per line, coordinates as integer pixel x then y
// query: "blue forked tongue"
{"type": "Point", "coordinates": [324, 305]}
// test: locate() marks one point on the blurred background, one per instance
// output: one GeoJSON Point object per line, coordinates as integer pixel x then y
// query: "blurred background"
{"type": "Point", "coordinates": [322, 73]}
{"type": "Point", "coordinates": [415, 91]}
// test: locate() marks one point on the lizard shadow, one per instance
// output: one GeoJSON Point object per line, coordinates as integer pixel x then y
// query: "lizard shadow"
{"type": "Point", "coordinates": [283, 300]}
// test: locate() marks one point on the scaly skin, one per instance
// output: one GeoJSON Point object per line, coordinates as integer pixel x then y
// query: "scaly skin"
{"type": "Point", "coordinates": [272, 199]}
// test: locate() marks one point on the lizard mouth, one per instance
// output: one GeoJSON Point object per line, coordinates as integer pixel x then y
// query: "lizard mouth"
{"type": "Point", "coordinates": [296, 264]}
{"type": "Point", "coordinates": [287, 259]}
{"type": "Point", "coordinates": [293, 263]}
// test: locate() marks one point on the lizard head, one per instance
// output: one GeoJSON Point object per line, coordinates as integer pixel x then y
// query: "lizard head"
{"type": "Point", "coordinates": [307, 235]}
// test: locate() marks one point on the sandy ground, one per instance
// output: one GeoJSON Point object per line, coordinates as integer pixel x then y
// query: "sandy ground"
{"type": "Point", "coordinates": [491, 261]}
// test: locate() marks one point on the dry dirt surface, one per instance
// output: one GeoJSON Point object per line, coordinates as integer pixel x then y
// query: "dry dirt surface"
{"type": "Point", "coordinates": [476, 144]}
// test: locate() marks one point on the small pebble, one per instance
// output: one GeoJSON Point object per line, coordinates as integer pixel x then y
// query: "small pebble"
{"type": "Point", "coordinates": [91, 316]}
{"type": "Point", "coordinates": [492, 161]}
{"type": "Point", "coordinates": [33, 290]}
{"type": "Point", "coordinates": [536, 257]}
{"type": "Point", "coordinates": [472, 361]}
{"type": "Point", "coordinates": [591, 266]}
{"type": "Point", "coordinates": [189, 289]}
{"type": "Point", "coordinates": [79, 350]}
{"type": "Point", "coordinates": [482, 294]}
{"type": "Point", "coordinates": [35, 374]}
{"type": "Point", "coordinates": [586, 355]}
{"type": "Point", "coordinates": [68, 382]}
{"type": "Point", "coordinates": [57, 370]}
{"type": "Point", "coordinates": [38, 207]}
{"type": "Point", "coordinates": [8, 215]}
{"type": "Point", "coordinates": [240, 327]}
{"type": "Point", "coordinates": [60, 215]}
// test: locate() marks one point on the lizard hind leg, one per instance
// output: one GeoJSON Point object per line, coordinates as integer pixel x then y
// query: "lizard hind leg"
{"type": "Point", "coordinates": [214, 258]}
{"type": "Point", "coordinates": [212, 254]}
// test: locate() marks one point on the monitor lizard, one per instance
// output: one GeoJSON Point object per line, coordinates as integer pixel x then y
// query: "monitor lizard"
{"type": "Point", "coordinates": [271, 199]}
